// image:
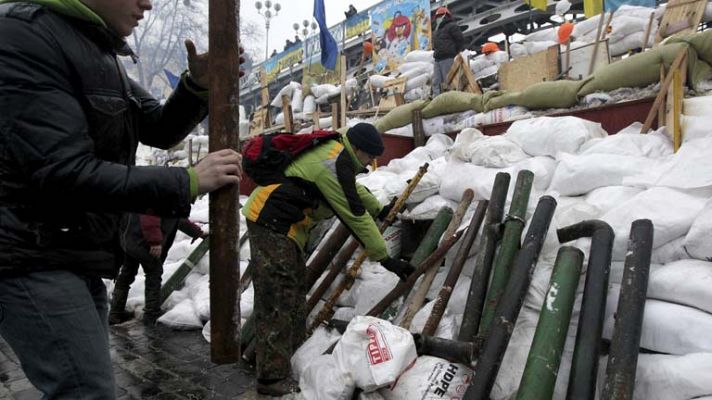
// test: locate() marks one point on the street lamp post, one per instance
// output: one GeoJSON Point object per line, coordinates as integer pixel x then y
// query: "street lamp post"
{"type": "Point", "coordinates": [268, 14]}
{"type": "Point", "coordinates": [305, 32]}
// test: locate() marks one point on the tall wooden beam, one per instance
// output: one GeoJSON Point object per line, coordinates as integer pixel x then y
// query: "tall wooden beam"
{"type": "Point", "coordinates": [224, 203]}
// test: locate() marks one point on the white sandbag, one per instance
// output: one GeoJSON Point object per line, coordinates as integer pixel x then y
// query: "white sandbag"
{"type": "Point", "coordinates": [414, 72]}
{"type": "Point", "coordinates": [316, 345]}
{"type": "Point", "coordinates": [374, 283]}
{"type": "Point", "coordinates": [182, 316]}
{"type": "Point", "coordinates": [539, 46]}
{"type": "Point", "coordinates": [323, 380]}
{"type": "Point", "coordinates": [695, 127]}
{"type": "Point", "coordinates": [297, 100]}
{"type": "Point", "coordinates": [417, 65]}
{"type": "Point", "coordinates": [429, 185]}
{"type": "Point", "coordinates": [630, 142]}
{"type": "Point", "coordinates": [325, 89]}
{"type": "Point", "coordinates": [378, 81]}
{"type": "Point", "coordinates": [606, 198]}
{"type": "Point", "coordinates": [498, 57]}
{"type": "Point", "coordinates": [671, 211]}
{"type": "Point", "coordinates": [665, 377]}
{"type": "Point", "coordinates": [517, 50]}
{"type": "Point", "coordinates": [375, 352]}
{"type": "Point", "coordinates": [671, 251]}
{"type": "Point", "coordinates": [698, 241]}
{"type": "Point", "coordinates": [429, 208]}
{"type": "Point", "coordinates": [416, 82]}
{"type": "Point", "coordinates": [496, 152]}
{"type": "Point", "coordinates": [285, 91]}
{"type": "Point", "coordinates": [439, 144]}
{"type": "Point", "coordinates": [418, 93]}
{"type": "Point", "coordinates": [546, 136]}
{"type": "Point", "coordinates": [420, 55]}
{"type": "Point", "coordinates": [700, 106]}
{"type": "Point", "coordinates": [667, 327]}
{"type": "Point", "coordinates": [412, 161]}
{"type": "Point", "coordinates": [479, 63]}
{"type": "Point", "coordinates": [309, 104]}
{"type": "Point", "coordinates": [431, 378]}
{"type": "Point", "coordinates": [633, 41]}
{"type": "Point", "coordinates": [548, 34]}
{"type": "Point", "coordinates": [498, 115]}
{"type": "Point", "coordinates": [579, 174]}
{"type": "Point", "coordinates": [491, 70]}
{"type": "Point", "coordinates": [685, 282]}
{"type": "Point", "coordinates": [691, 166]}
{"type": "Point", "coordinates": [279, 119]}
{"type": "Point", "coordinates": [244, 127]}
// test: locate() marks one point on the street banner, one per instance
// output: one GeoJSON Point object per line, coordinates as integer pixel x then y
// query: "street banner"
{"type": "Point", "coordinates": [399, 26]}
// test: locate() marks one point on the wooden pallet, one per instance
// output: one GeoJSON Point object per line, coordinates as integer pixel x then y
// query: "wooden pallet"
{"type": "Point", "coordinates": [523, 72]}
{"type": "Point", "coordinates": [680, 17]}
{"type": "Point", "coordinates": [395, 90]}
{"type": "Point", "coordinates": [460, 77]}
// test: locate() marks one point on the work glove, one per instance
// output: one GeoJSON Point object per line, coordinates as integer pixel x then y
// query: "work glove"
{"type": "Point", "coordinates": [386, 209]}
{"type": "Point", "coordinates": [399, 267]}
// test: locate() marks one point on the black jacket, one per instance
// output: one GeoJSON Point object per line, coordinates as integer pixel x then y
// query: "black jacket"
{"type": "Point", "coordinates": [70, 122]}
{"type": "Point", "coordinates": [145, 231]}
{"type": "Point", "coordinates": [448, 40]}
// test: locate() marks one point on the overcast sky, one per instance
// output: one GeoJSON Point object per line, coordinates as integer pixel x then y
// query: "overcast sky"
{"type": "Point", "coordinates": [296, 11]}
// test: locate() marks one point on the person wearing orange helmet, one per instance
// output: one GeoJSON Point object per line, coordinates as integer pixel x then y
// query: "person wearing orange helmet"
{"type": "Point", "coordinates": [448, 41]}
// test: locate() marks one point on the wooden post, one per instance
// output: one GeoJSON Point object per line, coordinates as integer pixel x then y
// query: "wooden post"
{"type": "Point", "coordinates": [567, 67]}
{"type": "Point", "coordinates": [676, 108]}
{"type": "Point", "coordinates": [418, 131]}
{"type": "Point", "coordinates": [334, 116]}
{"type": "Point", "coordinates": [287, 112]}
{"type": "Point", "coordinates": [342, 99]}
{"type": "Point", "coordinates": [647, 30]}
{"type": "Point", "coordinates": [315, 118]}
{"type": "Point", "coordinates": [595, 44]}
{"type": "Point", "coordinates": [224, 75]}
{"type": "Point", "coordinates": [608, 26]}
{"type": "Point", "coordinates": [663, 91]}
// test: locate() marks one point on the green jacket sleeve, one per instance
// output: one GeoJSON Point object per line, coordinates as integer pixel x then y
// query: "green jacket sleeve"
{"type": "Point", "coordinates": [362, 226]}
{"type": "Point", "coordinates": [373, 206]}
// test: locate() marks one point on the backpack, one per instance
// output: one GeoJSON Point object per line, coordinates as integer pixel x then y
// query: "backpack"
{"type": "Point", "coordinates": [265, 157]}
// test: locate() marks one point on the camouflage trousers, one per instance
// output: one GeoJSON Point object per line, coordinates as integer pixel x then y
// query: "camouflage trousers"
{"type": "Point", "coordinates": [280, 308]}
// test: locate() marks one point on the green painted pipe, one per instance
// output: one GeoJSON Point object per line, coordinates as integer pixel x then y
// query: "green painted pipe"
{"type": "Point", "coordinates": [176, 280]}
{"type": "Point", "coordinates": [425, 248]}
{"type": "Point", "coordinates": [544, 358]}
{"type": "Point", "coordinates": [511, 241]}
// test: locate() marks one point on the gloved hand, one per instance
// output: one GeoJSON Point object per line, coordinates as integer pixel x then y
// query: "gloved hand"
{"type": "Point", "coordinates": [386, 209]}
{"type": "Point", "coordinates": [399, 267]}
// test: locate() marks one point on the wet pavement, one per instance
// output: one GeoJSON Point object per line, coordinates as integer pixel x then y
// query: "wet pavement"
{"type": "Point", "coordinates": [151, 363]}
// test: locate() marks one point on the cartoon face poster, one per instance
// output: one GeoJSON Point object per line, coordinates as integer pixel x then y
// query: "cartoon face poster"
{"type": "Point", "coordinates": [399, 26]}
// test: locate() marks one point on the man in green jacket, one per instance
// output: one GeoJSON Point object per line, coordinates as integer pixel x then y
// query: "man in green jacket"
{"type": "Point", "coordinates": [321, 183]}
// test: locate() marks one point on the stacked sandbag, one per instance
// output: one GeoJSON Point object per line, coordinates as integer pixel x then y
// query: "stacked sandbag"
{"type": "Point", "coordinates": [696, 118]}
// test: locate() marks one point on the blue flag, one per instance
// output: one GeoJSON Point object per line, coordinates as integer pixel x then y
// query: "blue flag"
{"type": "Point", "coordinates": [329, 48]}
{"type": "Point", "coordinates": [173, 80]}
{"type": "Point", "coordinates": [613, 5]}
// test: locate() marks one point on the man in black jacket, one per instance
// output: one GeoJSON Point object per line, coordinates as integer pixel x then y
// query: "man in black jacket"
{"type": "Point", "coordinates": [448, 41]}
{"type": "Point", "coordinates": [70, 122]}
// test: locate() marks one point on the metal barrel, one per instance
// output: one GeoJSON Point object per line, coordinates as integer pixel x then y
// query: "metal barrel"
{"type": "Point", "coordinates": [483, 263]}
{"type": "Point", "coordinates": [544, 358]}
{"type": "Point", "coordinates": [623, 355]}
{"type": "Point", "coordinates": [458, 263]}
{"type": "Point", "coordinates": [584, 366]}
{"type": "Point", "coordinates": [511, 303]}
{"type": "Point", "coordinates": [511, 239]}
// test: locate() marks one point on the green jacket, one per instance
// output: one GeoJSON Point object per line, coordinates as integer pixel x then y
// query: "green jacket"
{"type": "Point", "coordinates": [70, 8]}
{"type": "Point", "coordinates": [328, 171]}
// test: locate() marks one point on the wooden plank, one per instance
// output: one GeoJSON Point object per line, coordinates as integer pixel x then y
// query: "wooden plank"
{"type": "Point", "coordinates": [673, 105]}
{"type": "Point", "coordinates": [315, 119]}
{"type": "Point", "coordinates": [260, 121]}
{"type": "Point", "coordinates": [342, 100]}
{"type": "Point", "coordinates": [460, 77]}
{"type": "Point", "coordinates": [287, 112]}
{"type": "Point", "coordinates": [264, 89]}
{"type": "Point", "coordinates": [523, 72]}
{"type": "Point", "coordinates": [648, 29]}
{"type": "Point", "coordinates": [418, 130]}
{"type": "Point", "coordinates": [334, 116]}
{"type": "Point", "coordinates": [680, 17]}
{"type": "Point", "coordinates": [596, 44]}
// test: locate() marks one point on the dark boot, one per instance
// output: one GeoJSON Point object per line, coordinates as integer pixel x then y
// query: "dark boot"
{"type": "Point", "coordinates": [118, 313]}
{"type": "Point", "coordinates": [278, 388]}
{"type": "Point", "coordinates": [152, 309]}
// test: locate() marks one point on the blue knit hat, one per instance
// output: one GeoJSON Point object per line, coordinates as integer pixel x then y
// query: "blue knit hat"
{"type": "Point", "coordinates": [366, 138]}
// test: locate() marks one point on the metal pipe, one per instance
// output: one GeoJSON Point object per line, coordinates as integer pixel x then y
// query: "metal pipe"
{"type": "Point", "coordinates": [416, 300]}
{"type": "Point", "coordinates": [623, 356]}
{"type": "Point", "coordinates": [444, 296]}
{"type": "Point", "coordinates": [584, 366]}
{"type": "Point", "coordinates": [511, 239]}
{"type": "Point", "coordinates": [426, 247]}
{"type": "Point", "coordinates": [319, 263]}
{"type": "Point", "coordinates": [338, 264]}
{"type": "Point", "coordinates": [544, 358]}
{"type": "Point", "coordinates": [403, 287]}
{"type": "Point", "coordinates": [483, 264]}
{"type": "Point", "coordinates": [451, 350]}
{"type": "Point", "coordinates": [508, 308]}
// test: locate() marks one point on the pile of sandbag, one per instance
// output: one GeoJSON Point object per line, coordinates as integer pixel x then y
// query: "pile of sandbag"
{"type": "Point", "coordinates": [417, 69]}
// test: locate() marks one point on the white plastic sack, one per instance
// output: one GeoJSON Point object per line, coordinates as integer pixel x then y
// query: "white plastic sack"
{"type": "Point", "coordinates": [182, 316]}
{"type": "Point", "coordinates": [689, 168]}
{"type": "Point", "coordinates": [297, 100]}
{"type": "Point", "coordinates": [429, 208]}
{"type": "Point", "coordinates": [285, 91]}
{"type": "Point", "coordinates": [375, 352]}
{"type": "Point", "coordinates": [630, 142]}
{"type": "Point", "coordinates": [316, 345]}
{"type": "Point", "coordinates": [696, 127]}
{"type": "Point", "coordinates": [700, 106]}
{"type": "Point", "coordinates": [546, 136]}
{"type": "Point", "coordinates": [665, 377]}
{"type": "Point", "coordinates": [417, 81]}
{"type": "Point", "coordinates": [309, 104]}
{"type": "Point", "coordinates": [698, 242]}
{"type": "Point", "coordinates": [684, 282]}
{"type": "Point", "coordinates": [496, 152]}
{"type": "Point", "coordinates": [378, 81]}
{"type": "Point", "coordinates": [420, 55]}
{"type": "Point", "coordinates": [424, 66]}
{"type": "Point", "coordinates": [431, 378]}
{"type": "Point", "coordinates": [323, 380]}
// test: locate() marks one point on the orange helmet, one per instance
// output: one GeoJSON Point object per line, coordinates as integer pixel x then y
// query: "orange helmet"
{"type": "Point", "coordinates": [564, 32]}
{"type": "Point", "coordinates": [442, 11]}
{"type": "Point", "coordinates": [367, 47]}
{"type": "Point", "coordinates": [490, 47]}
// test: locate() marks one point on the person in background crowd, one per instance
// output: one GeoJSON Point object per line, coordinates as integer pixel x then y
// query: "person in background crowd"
{"type": "Point", "coordinates": [71, 121]}
{"type": "Point", "coordinates": [148, 239]}
{"type": "Point", "coordinates": [448, 42]}
{"type": "Point", "coordinates": [351, 11]}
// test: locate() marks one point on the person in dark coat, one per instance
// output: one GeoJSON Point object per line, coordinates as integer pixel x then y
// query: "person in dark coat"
{"type": "Point", "coordinates": [350, 12]}
{"type": "Point", "coordinates": [70, 124]}
{"type": "Point", "coordinates": [448, 42]}
{"type": "Point", "coordinates": [148, 239]}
